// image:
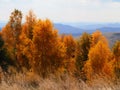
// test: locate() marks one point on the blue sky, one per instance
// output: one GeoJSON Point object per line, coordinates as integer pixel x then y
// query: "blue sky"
{"type": "Point", "coordinates": [65, 10]}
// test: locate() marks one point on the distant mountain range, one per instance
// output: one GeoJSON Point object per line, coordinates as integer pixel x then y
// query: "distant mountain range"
{"type": "Point", "coordinates": [2, 24]}
{"type": "Point", "coordinates": [77, 30]}
{"type": "Point", "coordinates": [67, 29]}
{"type": "Point", "coordinates": [93, 25]}
{"type": "Point", "coordinates": [112, 37]}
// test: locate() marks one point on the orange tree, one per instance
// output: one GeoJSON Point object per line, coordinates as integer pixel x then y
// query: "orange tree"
{"type": "Point", "coordinates": [70, 61]}
{"type": "Point", "coordinates": [116, 53]}
{"type": "Point", "coordinates": [11, 33]}
{"type": "Point", "coordinates": [99, 58]}
{"type": "Point", "coordinates": [49, 51]}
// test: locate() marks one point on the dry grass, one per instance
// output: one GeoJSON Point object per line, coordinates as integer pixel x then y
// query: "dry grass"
{"type": "Point", "coordinates": [34, 82]}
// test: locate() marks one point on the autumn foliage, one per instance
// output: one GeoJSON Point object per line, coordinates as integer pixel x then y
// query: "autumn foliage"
{"type": "Point", "coordinates": [35, 46]}
{"type": "Point", "coordinates": [99, 57]}
{"type": "Point", "coordinates": [70, 53]}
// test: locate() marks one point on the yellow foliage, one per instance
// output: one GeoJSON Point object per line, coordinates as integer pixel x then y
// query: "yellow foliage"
{"type": "Point", "coordinates": [99, 57]}
{"type": "Point", "coordinates": [49, 51]}
{"type": "Point", "coordinates": [108, 69]}
{"type": "Point", "coordinates": [96, 37]}
{"type": "Point", "coordinates": [70, 45]}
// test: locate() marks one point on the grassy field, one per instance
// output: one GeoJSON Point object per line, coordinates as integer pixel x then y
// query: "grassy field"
{"type": "Point", "coordinates": [34, 82]}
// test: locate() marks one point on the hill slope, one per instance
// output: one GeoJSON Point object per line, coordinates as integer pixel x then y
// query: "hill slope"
{"type": "Point", "coordinates": [112, 37]}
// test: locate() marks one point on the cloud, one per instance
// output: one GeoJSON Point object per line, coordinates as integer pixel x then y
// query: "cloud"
{"type": "Point", "coordinates": [5, 1]}
{"type": "Point", "coordinates": [64, 10]}
{"type": "Point", "coordinates": [114, 4]}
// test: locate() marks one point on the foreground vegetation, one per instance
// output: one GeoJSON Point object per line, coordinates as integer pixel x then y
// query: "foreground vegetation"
{"type": "Point", "coordinates": [33, 82]}
{"type": "Point", "coordinates": [34, 56]}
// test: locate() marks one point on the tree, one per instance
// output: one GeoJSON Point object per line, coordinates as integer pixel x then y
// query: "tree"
{"type": "Point", "coordinates": [98, 59]}
{"type": "Point", "coordinates": [96, 37]}
{"type": "Point", "coordinates": [49, 51]}
{"type": "Point", "coordinates": [29, 24]}
{"type": "Point", "coordinates": [83, 46]}
{"type": "Point", "coordinates": [25, 46]}
{"type": "Point", "coordinates": [116, 50]}
{"type": "Point", "coordinates": [70, 61]}
{"type": "Point", "coordinates": [116, 53]}
{"type": "Point", "coordinates": [11, 33]}
{"type": "Point", "coordinates": [25, 53]}
{"type": "Point", "coordinates": [4, 57]}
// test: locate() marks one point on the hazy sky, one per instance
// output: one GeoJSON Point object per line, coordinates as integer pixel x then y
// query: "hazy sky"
{"type": "Point", "coordinates": [65, 10]}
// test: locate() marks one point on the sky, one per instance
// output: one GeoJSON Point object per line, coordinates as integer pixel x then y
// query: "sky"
{"type": "Point", "coordinates": [64, 10]}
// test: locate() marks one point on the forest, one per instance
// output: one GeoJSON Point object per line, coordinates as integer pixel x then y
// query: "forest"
{"type": "Point", "coordinates": [35, 51]}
